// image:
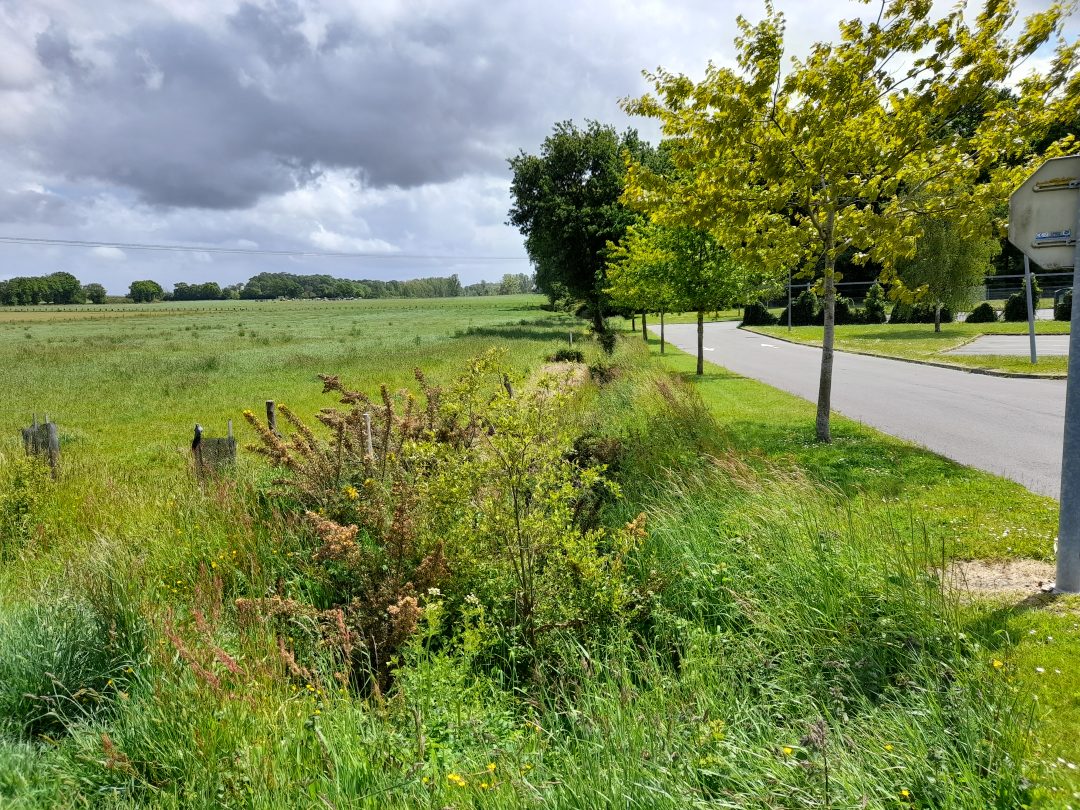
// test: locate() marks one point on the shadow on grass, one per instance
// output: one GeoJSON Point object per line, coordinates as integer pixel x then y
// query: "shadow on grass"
{"type": "Point", "coordinates": [553, 328]}
{"type": "Point", "coordinates": [993, 630]}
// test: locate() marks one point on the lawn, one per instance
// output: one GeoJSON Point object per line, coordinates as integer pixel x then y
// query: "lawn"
{"type": "Point", "coordinates": [920, 342]}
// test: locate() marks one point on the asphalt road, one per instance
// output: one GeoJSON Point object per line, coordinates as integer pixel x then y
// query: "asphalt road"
{"type": "Point", "coordinates": [1011, 427]}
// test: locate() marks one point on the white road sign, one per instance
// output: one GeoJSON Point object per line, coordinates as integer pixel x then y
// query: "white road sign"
{"type": "Point", "coordinates": [1042, 213]}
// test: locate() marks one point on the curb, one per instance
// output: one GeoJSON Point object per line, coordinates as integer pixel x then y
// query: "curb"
{"type": "Point", "coordinates": [969, 369]}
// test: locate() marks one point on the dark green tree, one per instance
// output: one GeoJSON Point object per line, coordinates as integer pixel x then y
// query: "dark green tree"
{"type": "Point", "coordinates": [144, 292]}
{"type": "Point", "coordinates": [566, 202]}
{"type": "Point", "coordinates": [95, 293]}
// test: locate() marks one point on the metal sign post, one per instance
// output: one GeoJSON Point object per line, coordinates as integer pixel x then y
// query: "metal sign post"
{"type": "Point", "coordinates": [1031, 309]}
{"type": "Point", "coordinates": [1044, 220]}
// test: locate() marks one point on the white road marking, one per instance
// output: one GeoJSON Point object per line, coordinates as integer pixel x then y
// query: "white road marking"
{"type": "Point", "coordinates": [768, 345]}
{"type": "Point", "coordinates": [706, 348]}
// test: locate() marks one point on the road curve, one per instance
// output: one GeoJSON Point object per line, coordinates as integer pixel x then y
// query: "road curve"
{"type": "Point", "coordinates": [1011, 427]}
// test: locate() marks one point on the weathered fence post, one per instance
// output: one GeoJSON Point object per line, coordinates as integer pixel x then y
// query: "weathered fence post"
{"type": "Point", "coordinates": [367, 436]}
{"type": "Point", "coordinates": [213, 455]}
{"type": "Point", "coordinates": [43, 441]}
{"type": "Point", "coordinates": [271, 416]}
{"type": "Point", "coordinates": [54, 448]}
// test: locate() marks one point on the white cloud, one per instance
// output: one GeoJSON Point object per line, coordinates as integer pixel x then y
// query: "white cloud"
{"type": "Point", "coordinates": [112, 254]}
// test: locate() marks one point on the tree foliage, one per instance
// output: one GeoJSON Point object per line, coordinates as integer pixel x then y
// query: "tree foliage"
{"type": "Point", "coordinates": [947, 266]}
{"type": "Point", "coordinates": [566, 203]}
{"type": "Point", "coordinates": [95, 293]}
{"type": "Point", "coordinates": [55, 288]}
{"type": "Point", "coordinates": [146, 291]}
{"type": "Point", "coordinates": [850, 147]}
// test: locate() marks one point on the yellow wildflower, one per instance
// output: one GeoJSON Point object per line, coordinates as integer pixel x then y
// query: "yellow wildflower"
{"type": "Point", "coordinates": [491, 767]}
{"type": "Point", "coordinates": [997, 664]}
{"type": "Point", "coordinates": [788, 750]}
{"type": "Point", "coordinates": [888, 746]}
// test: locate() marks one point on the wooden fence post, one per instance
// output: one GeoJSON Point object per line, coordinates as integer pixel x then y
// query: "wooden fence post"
{"type": "Point", "coordinates": [271, 416]}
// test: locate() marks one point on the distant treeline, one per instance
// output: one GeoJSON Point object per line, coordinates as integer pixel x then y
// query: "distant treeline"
{"type": "Point", "coordinates": [56, 288]}
{"type": "Point", "coordinates": [64, 288]}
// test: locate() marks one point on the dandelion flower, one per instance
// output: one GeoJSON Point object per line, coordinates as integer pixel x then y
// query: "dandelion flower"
{"type": "Point", "coordinates": [997, 664]}
{"type": "Point", "coordinates": [905, 794]}
{"type": "Point", "coordinates": [888, 747]}
{"type": "Point", "coordinates": [491, 767]}
{"type": "Point", "coordinates": [788, 750]}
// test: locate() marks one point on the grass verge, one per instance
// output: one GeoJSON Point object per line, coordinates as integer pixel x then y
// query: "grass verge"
{"type": "Point", "coordinates": [965, 512]}
{"type": "Point", "coordinates": [920, 342]}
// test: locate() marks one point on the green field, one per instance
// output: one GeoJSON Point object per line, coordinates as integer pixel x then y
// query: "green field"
{"type": "Point", "coordinates": [773, 634]}
{"type": "Point", "coordinates": [920, 342]}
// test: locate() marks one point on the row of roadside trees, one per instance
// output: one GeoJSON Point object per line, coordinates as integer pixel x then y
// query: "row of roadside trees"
{"type": "Point", "coordinates": [894, 148]}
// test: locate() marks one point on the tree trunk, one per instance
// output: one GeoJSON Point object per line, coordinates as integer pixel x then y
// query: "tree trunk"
{"type": "Point", "coordinates": [824, 401]}
{"type": "Point", "coordinates": [661, 331]}
{"type": "Point", "coordinates": [597, 319]}
{"type": "Point", "coordinates": [937, 318]}
{"type": "Point", "coordinates": [700, 342]}
{"type": "Point", "coordinates": [633, 322]}
{"type": "Point", "coordinates": [644, 328]}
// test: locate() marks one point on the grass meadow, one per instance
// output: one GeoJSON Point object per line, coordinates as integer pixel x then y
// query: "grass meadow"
{"type": "Point", "coordinates": [616, 586]}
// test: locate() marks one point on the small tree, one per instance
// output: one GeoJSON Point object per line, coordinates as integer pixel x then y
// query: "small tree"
{"type": "Point", "coordinates": [948, 265]}
{"type": "Point", "coordinates": [95, 293]}
{"type": "Point", "coordinates": [144, 292]}
{"type": "Point", "coordinates": [640, 274]}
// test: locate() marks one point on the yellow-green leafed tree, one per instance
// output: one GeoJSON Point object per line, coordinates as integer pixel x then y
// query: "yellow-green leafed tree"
{"type": "Point", "coordinates": [639, 275]}
{"type": "Point", "coordinates": [791, 163]}
{"type": "Point", "coordinates": [946, 268]}
{"type": "Point", "coordinates": [674, 267]}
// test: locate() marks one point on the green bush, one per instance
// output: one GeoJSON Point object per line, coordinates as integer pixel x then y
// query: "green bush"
{"type": "Point", "coordinates": [804, 310]}
{"type": "Point", "coordinates": [567, 355]}
{"type": "Point", "coordinates": [919, 313]}
{"type": "Point", "coordinates": [983, 313]}
{"type": "Point", "coordinates": [1063, 308]}
{"type": "Point", "coordinates": [757, 314]}
{"type": "Point", "coordinates": [874, 305]}
{"type": "Point", "coordinates": [607, 341]}
{"type": "Point", "coordinates": [1016, 305]}
{"type": "Point", "coordinates": [843, 313]}
{"type": "Point", "coordinates": [475, 495]}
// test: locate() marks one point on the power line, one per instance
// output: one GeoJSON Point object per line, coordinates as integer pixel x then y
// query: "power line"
{"type": "Point", "coordinates": [315, 254]}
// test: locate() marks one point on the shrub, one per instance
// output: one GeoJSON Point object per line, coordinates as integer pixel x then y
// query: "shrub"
{"type": "Point", "coordinates": [804, 309]}
{"type": "Point", "coordinates": [757, 314]}
{"type": "Point", "coordinates": [474, 495]}
{"type": "Point", "coordinates": [607, 341]}
{"type": "Point", "coordinates": [567, 355]}
{"type": "Point", "coordinates": [918, 313]}
{"type": "Point", "coordinates": [1063, 308]}
{"type": "Point", "coordinates": [983, 313]}
{"type": "Point", "coordinates": [874, 305]}
{"type": "Point", "coordinates": [843, 313]}
{"type": "Point", "coordinates": [1016, 304]}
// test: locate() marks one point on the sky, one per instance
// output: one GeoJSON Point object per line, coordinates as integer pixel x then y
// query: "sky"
{"type": "Point", "coordinates": [359, 126]}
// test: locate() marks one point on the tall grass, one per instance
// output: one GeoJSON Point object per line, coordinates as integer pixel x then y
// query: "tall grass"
{"type": "Point", "coordinates": [780, 650]}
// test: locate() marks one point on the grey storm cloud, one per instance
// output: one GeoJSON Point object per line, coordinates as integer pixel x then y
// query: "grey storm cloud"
{"type": "Point", "coordinates": [36, 207]}
{"type": "Point", "coordinates": [219, 117]}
